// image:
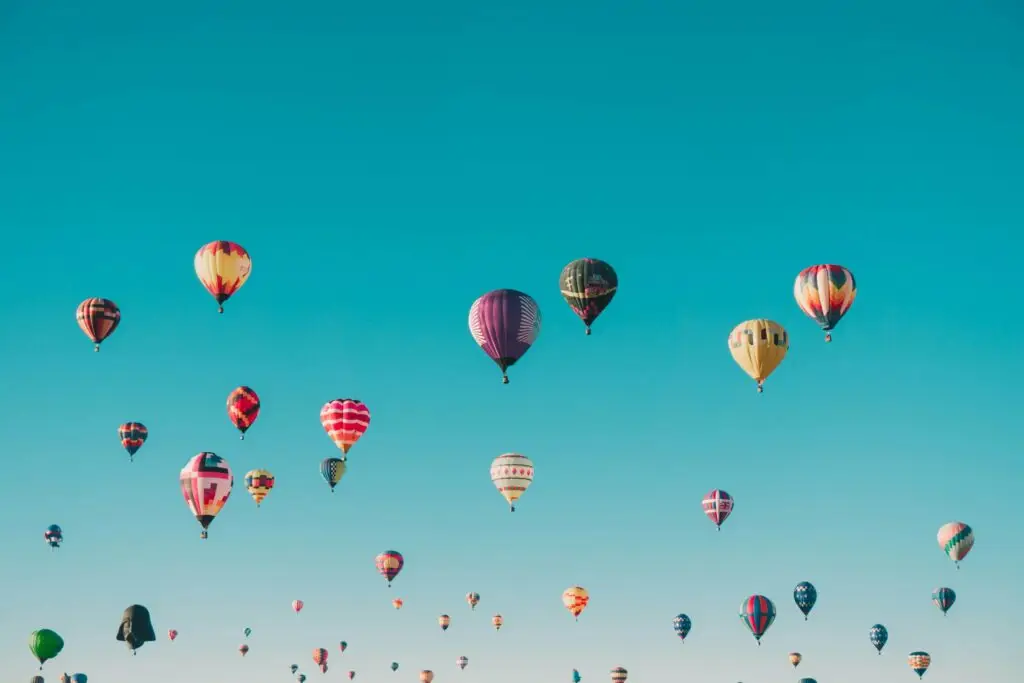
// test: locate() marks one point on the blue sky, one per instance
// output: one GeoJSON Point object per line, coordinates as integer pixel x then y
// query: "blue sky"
{"type": "Point", "coordinates": [385, 166]}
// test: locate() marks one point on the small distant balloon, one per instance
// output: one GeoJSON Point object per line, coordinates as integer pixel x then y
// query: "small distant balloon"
{"type": "Point", "coordinates": [98, 318]}
{"type": "Point", "coordinates": [53, 536]}
{"type": "Point", "coordinates": [575, 599]}
{"type": "Point", "coordinates": [132, 436]}
{"type": "Point", "coordinates": [588, 285]}
{"type": "Point", "coordinates": [718, 506]}
{"type": "Point", "coordinates": [681, 625]}
{"type": "Point", "coordinates": [956, 540]}
{"type": "Point", "coordinates": [243, 408]}
{"type": "Point", "coordinates": [879, 636]}
{"type": "Point", "coordinates": [389, 564]}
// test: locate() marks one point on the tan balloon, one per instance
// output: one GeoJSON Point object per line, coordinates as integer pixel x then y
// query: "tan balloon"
{"type": "Point", "coordinates": [758, 347]}
{"type": "Point", "coordinates": [575, 599]}
{"type": "Point", "coordinates": [426, 676]}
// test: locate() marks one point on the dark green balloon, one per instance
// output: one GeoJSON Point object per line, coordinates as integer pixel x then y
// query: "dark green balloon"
{"type": "Point", "coordinates": [588, 286]}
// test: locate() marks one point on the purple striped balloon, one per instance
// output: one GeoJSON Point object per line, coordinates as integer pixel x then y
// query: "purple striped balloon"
{"type": "Point", "coordinates": [505, 323]}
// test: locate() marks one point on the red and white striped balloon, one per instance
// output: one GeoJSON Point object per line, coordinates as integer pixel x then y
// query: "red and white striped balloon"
{"type": "Point", "coordinates": [345, 420]}
{"type": "Point", "coordinates": [718, 507]}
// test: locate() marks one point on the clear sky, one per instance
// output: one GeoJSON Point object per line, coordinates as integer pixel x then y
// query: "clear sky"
{"type": "Point", "coordinates": [387, 163]}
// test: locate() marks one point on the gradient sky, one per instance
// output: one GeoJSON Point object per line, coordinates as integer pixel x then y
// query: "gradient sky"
{"type": "Point", "coordinates": [387, 163]}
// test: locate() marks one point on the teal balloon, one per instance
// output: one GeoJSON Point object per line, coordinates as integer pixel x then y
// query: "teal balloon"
{"type": "Point", "coordinates": [79, 678]}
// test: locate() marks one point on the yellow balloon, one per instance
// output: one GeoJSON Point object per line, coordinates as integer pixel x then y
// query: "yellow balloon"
{"type": "Point", "coordinates": [758, 346]}
{"type": "Point", "coordinates": [222, 267]}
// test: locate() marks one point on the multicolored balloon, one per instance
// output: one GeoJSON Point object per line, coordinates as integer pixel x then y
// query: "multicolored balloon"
{"type": "Point", "coordinates": [504, 323]}
{"type": "Point", "coordinates": [472, 599]}
{"type": "Point", "coordinates": [345, 420]}
{"type": "Point", "coordinates": [681, 625]}
{"type": "Point", "coordinates": [512, 474]}
{"type": "Point", "coordinates": [575, 599]}
{"type": "Point", "coordinates": [389, 564]}
{"type": "Point", "coordinates": [206, 483]}
{"type": "Point", "coordinates": [243, 408]}
{"type": "Point", "coordinates": [243, 649]}
{"type": "Point", "coordinates": [44, 645]}
{"type": "Point", "coordinates": [805, 595]}
{"type": "Point", "coordinates": [758, 347]}
{"type": "Point", "coordinates": [397, 603]}
{"type": "Point", "coordinates": [172, 634]}
{"type": "Point", "coordinates": [53, 536]}
{"type": "Point", "coordinates": [351, 675]}
{"type": "Point", "coordinates": [497, 621]}
{"type": "Point", "coordinates": [132, 435]}
{"type": "Point", "coordinates": [919, 662]}
{"type": "Point", "coordinates": [956, 540]}
{"type": "Point", "coordinates": [343, 646]}
{"type": "Point", "coordinates": [718, 506]}
{"type": "Point", "coordinates": [943, 598]}
{"type": "Point", "coordinates": [757, 613]}
{"type": "Point", "coordinates": [222, 267]}
{"type": "Point", "coordinates": [462, 662]}
{"type": "Point", "coordinates": [259, 483]}
{"type": "Point", "coordinates": [426, 676]}
{"type": "Point", "coordinates": [588, 286]}
{"type": "Point", "coordinates": [98, 318]}
{"type": "Point", "coordinates": [320, 658]}
{"type": "Point", "coordinates": [795, 658]}
{"type": "Point", "coordinates": [297, 606]}
{"type": "Point", "coordinates": [619, 675]}
{"type": "Point", "coordinates": [825, 293]}
{"type": "Point", "coordinates": [879, 636]}
{"type": "Point", "coordinates": [444, 621]}
{"type": "Point", "coordinates": [332, 470]}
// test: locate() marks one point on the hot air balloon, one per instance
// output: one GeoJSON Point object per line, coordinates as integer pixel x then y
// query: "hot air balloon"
{"type": "Point", "coordinates": [956, 539]}
{"type": "Point", "coordinates": [681, 625]}
{"type": "Point", "coordinates": [807, 680]}
{"type": "Point", "coordinates": [397, 603]}
{"type": "Point", "coordinates": [243, 408]}
{"type": "Point", "coordinates": [243, 649]}
{"type": "Point", "coordinates": [172, 634]}
{"type": "Point", "coordinates": [619, 675]}
{"type": "Point", "coordinates": [588, 286]}
{"type": "Point", "coordinates": [345, 420]}
{"type": "Point", "coordinates": [206, 482]}
{"type": "Point", "coordinates": [462, 662]}
{"type": "Point", "coordinates": [320, 658]}
{"type": "Point", "coordinates": [389, 563]}
{"type": "Point", "coordinates": [45, 645]}
{"type": "Point", "coordinates": [758, 347]}
{"type": "Point", "coordinates": [757, 613]}
{"type": "Point", "coordinates": [805, 595]}
{"type": "Point", "coordinates": [575, 599]}
{"type": "Point", "coordinates": [879, 636]}
{"type": "Point", "coordinates": [297, 606]}
{"type": "Point", "coordinates": [512, 474]}
{"type": "Point", "coordinates": [53, 536]}
{"type": "Point", "coordinates": [295, 668]}
{"type": "Point", "coordinates": [943, 598]}
{"type": "Point", "coordinates": [132, 435]}
{"type": "Point", "coordinates": [394, 666]}
{"type": "Point", "coordinates": [259, 483]}
{"type": "Point", "coordinates": [504, 323]}
{"type": "Point", "coordinates": [351, 675]}
{"type": "Point", "coordinates": [136, 628]}
{"type": "Point", "coordinates": [222, 267]}
{"type": "Point", "coordinates": [79, 678]}
{"type": "Point", "coordinates": [919, 662]}
{"type": "Point", "coordinates": [576, 678]}
{"type": "Point", "coordinates": [472, 599]}
{"type": "Point", "coordinates": [795, 658]}
{"type": "Point", "coordinates": [343, 646]}
{"type": "Point", "coordinates": [64, 678]}
{"type": "Point", "coordinates": [246, 631]}
{"type": "Point", "coordinates": [332, 470]}
{"type": "Point", "coordinates": [718, 506]}
{"type": "Point", "coordinates": [825, 293]}
{"type": "Point", "coordinates": [497, 621]}
{"type": "Point", "coordinates": [426, 676]}
{"type": "Point", "coordinates": [39, 679]}
{"type": "Point", "coordinates": [301, 678]}
{"type": "Point", "coordinates": [444, 621]}
{"type": "Point", "coordinates": [98, 318]}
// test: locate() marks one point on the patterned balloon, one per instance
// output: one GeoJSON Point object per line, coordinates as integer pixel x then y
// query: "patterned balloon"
{"type": "Point", "coordinates": [758, 347]}
{"type": "Point", "coordinates": [718, 506]}
{"type": "Point", "coordinates": [879, 636]}
{"type": "Point", "coordinates": [504, 323]}
{"type": "Point", "coordinates": [206, 482]}
{"type": "Point", "coordinates": [575, 599]}
{"type": "Point", "coordinates": [259, 483]}
{"type": "Point", "coordinates": [825, 293]}
{"type": "Point", "coordinates": [444, 621]}
{"type": "Point", "coordinates": [919, 662]}
{"type": "Point", "coordinates": [345, 420]}
{"type": "Point", "coordinates": [462, 662]}
{"type": "Point", "coordinates": [389, 564]}
{"type": "Point", "coordinates": [98, 318]}
{"type": "Point", "coordinates": [473, 599]}
{"type": "Point", "coordinates": [172, 634]}
{"type": "Point", "coordinates": [243, 649]}
{"type": "Point", "coordinates": [332, 470]}
{"type": "Point", "coordinates": [243, 408]}
{"type": "Point", "coordinates": [397, 603]}
{"type": "Point", "coordinates": [497, 621]}
{"type": "Point", "coordinates": [757, 613]}
{"type": "Point", "coordinates": [956, 539]}
{"type": "Point", "coordinates": [426, 676]}
{"type": "Point", "coordinates": [64, 678]}
{"type": "Point", "coordinates": [297, 606]}
{"type": "Point", "coordinates": [222, 267]}
{"type": "Point", "coordinates": [320, 658]}
{"type": "Point", "coordinates": [681, 625]}
{"type": "Point", "coordinates": [53, 536]}
{"type": "Point", "coordinates": [619, 675]}
{"type": "Point", "coordinates": [512, 474]}
{"type": "Point", "coordinates": [943, 598]}
{"type": "Point", "coordinates": [132, 435]}
{"type": "Point", "coordinates": [795, 658]}
{"type": "Point", "coordinates": [588, 286]}
{"type": "Point", "coordinates": [805, 595]}
{"type": "Point", "coordinates": [343, 646]}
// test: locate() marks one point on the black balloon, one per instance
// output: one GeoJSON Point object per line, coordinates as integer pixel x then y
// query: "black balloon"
{"type": "Point", "coordinates": [136, 628]}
